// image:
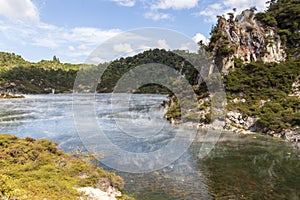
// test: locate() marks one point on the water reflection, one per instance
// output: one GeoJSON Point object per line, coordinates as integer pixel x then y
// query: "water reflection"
{"type": "Point", "coordinates": [239, 167]}
{"type": "Point", "coordinates": [252, 167]}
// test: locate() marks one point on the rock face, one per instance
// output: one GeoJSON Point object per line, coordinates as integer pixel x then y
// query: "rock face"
{"type": "Point", "coordinates": [236, 122]}
{"type": "Point", "coordinates": [103, 191]}
{"type": "Point", "coordinates": [97, 194]}
{"type": "Point", "coordinates": [296, 88]}
{"type": "Point", "coordinates": [245, 38]}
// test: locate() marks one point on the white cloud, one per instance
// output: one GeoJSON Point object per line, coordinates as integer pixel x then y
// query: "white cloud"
{"type": "Point", "coordinates": [198, 37]}
{"type": "Point", "coordinates": [71, 48]}
{"type": "Point", "coordinates": [77, 53]}
{"type": "Point", "coordinates": [216, 6]}
{"type": "Point", "coordinates": [191, 47]}
{"type": "Point", "coordinates": [82, 47]}
{"type": "Point", "coordinates": [162, 44]}
{"type": "Point", "coordinates": [175, 4]}
{"type": "Point", "coordinates": [96, 60]}
{"type": "Point", "coordinates": [243, 4]}
{"type": "Point", "coordinates": [22, 26]}
{"type": "Point", "coordinates": [79, 41]}
{"type": "Point", "coordinates": [154, 8]}
{"type": "Point", "coordinates": [122, 48]}
{"type": "Point", "coordinates": [126, 3]}
{"type": "Point", "coordinates": [211, 12]}
{"type": "Point", "coordinates": [88, 34]}
{"type": "Point", "coordinates": [144, 47]}
{"type": "Point", "coordinates": [223, 7]}
{"type": "Point", "coordinates": [20, 10]}
{"type": "Point", "coordinates": [83, 37]}
{"type": "Point", "coordinates": [156, 15]}
{"type": "Point", "coordinates": [45, 42]}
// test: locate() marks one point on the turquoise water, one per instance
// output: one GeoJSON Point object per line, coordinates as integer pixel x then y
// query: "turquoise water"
{"type": "Point", "coordinates": [238, 167]}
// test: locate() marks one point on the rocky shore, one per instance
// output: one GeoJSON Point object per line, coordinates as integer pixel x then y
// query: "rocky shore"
{"type": "Point", "coordinates": [91, 193]}
{"type": "Point", "coordinates": [233, 122]}
{"type": "Point", "coordinates": [236, 123]}
{"type": "Point", "coordinates": [4, 95]}
{"type": "Point", "coordinates": [260, 81]}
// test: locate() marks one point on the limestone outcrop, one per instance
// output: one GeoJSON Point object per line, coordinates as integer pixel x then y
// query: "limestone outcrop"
{"type": "Point", "coordinates": [244, 37]}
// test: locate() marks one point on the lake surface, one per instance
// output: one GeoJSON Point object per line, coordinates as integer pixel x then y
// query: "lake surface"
{"type": "Point", "coordinates": [238, 167]}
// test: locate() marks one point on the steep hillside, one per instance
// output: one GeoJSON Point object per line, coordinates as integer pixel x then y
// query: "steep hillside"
{"type": "Point", "coordinates": [284, 15]}
{"type": "Point", "coordinates": [271, 36]}
{"type": "Point", "coordinates": [257, 56]}
{"type": "Point", "coordinates": [244, 38]}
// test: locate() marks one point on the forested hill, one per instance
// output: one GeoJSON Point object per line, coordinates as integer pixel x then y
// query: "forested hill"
{"type": "Point", "coordinates": [170, 59]}
{"type": "Point", "coordinates": [20, 76]}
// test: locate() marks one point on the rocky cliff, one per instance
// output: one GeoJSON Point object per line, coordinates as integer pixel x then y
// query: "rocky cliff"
{"type": "Point", "coordinates": [244, 38]}
{"type": "Point", "coordinates": [263, 90]}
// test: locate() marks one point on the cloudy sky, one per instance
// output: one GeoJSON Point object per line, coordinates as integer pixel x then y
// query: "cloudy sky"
{"type": "Point", "coordinates": [72, 29]}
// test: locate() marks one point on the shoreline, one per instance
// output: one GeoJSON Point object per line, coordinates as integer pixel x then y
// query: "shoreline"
{"type": "Point", "coordinates": [236, 131]}
{"type": "Point", "coordinates": [55, 173]}
{"type": "Point", "coordinates": [5, 95]}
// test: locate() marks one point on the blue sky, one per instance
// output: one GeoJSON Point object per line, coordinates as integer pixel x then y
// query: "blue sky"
{"type": "Point", "coordinates": [72, 29]}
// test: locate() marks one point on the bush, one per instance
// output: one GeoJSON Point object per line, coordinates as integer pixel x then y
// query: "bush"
{"type": "Point", "coordinates": [36, 169]}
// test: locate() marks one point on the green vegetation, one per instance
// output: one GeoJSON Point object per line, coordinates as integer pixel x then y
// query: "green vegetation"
{"type": "Point", "coordinates": [284, 15]}
{"type": "Point", "coordinates": [37, 80]}
{"type": "Point", "coordinates": [118, 68]}
{"type": "Point", "coordinates": [254, 167]}
{"type": "Point", "coordinates": [264, 87]}
{"type": "Point", "coordinates": [220, 42]}
{"type": "Point", "coordinates": [258, 82]}
{"type": "Point", "coordinates": [270, 82]}
{"type": "Point", "coordinates": [36, 169]}
{"type": "Point", "coordinates": [18, 75]}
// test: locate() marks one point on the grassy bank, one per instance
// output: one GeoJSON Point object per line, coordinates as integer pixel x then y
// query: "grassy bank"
{"type": "Point", "coordinates": [36, 169]}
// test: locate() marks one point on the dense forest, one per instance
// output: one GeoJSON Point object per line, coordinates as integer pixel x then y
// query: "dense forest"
{"type": "Point", "coordinates": [20, 76]}
{"type": "Point", "coordinates": [168, 58]}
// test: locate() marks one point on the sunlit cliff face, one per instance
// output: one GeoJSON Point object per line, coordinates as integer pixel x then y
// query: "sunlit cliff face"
{"type": "Point", "coordinates": [245, 38]}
